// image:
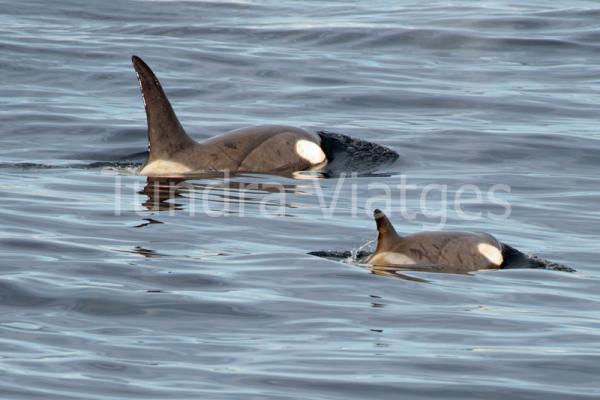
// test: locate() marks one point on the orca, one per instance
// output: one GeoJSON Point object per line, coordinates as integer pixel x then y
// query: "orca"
{"type": "Point", "coordinates": [261, 149]}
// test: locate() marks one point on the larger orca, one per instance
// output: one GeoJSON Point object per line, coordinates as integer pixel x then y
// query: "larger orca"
{"type": "Point", "coordinates": [262, 149]}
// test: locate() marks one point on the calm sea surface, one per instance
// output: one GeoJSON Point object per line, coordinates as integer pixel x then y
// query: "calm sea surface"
{"type": "Point", "coordinates": [109, 292]}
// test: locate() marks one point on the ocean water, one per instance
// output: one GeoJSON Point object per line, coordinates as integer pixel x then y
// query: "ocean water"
{"type": "Point", "coordinates": [109, 290]}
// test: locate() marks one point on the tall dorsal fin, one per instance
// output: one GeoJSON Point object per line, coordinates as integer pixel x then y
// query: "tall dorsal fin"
{"type": "Point", "coordinates": [387, 235]}
{"type": "Point", "coordinates": [166, 136]}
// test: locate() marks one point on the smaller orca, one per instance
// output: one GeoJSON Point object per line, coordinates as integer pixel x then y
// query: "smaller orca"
{"type": "Point", "coordinates": [458, 251]}
{"type": "Point", "coordinates": [449, 252]}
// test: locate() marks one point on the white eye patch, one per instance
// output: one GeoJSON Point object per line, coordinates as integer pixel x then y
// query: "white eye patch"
{"type": "Point", "coordinates": [310, 151]}
{"type": "Point", "coordinates": [491, 253]}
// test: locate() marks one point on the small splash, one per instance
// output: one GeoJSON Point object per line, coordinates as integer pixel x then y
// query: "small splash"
{"type": "Point", "coordinates": [122, 170]}
{"type": "Point", "coordinates": [354, 256]}
{"type": "Point", "coordinates": [361, 253]}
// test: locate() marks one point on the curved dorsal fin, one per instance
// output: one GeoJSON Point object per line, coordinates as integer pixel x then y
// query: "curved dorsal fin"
{"type": "Point", "coordinates": [387, 235]}
{"type": "Point", "coordinates": [166, 136]}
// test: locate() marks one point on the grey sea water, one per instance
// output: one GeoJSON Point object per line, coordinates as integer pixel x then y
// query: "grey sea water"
{"type": "Point", "coordinates": [108, 291]}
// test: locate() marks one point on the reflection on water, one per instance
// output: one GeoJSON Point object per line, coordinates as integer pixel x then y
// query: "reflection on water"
{"type": "Point", "coordinates": [219, 196]}
{"type": "Point", "coordinates": [397, 272]}
{"type": "Point", "coordinates": [160, 192]}
{"type": "Point", "coordinates": [149, 221]}
{"type": "Point", "coordinates": [144, 252]}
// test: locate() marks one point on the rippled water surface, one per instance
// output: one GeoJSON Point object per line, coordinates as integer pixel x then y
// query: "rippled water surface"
{"type": "Point", "coordinates": [108, 290]}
